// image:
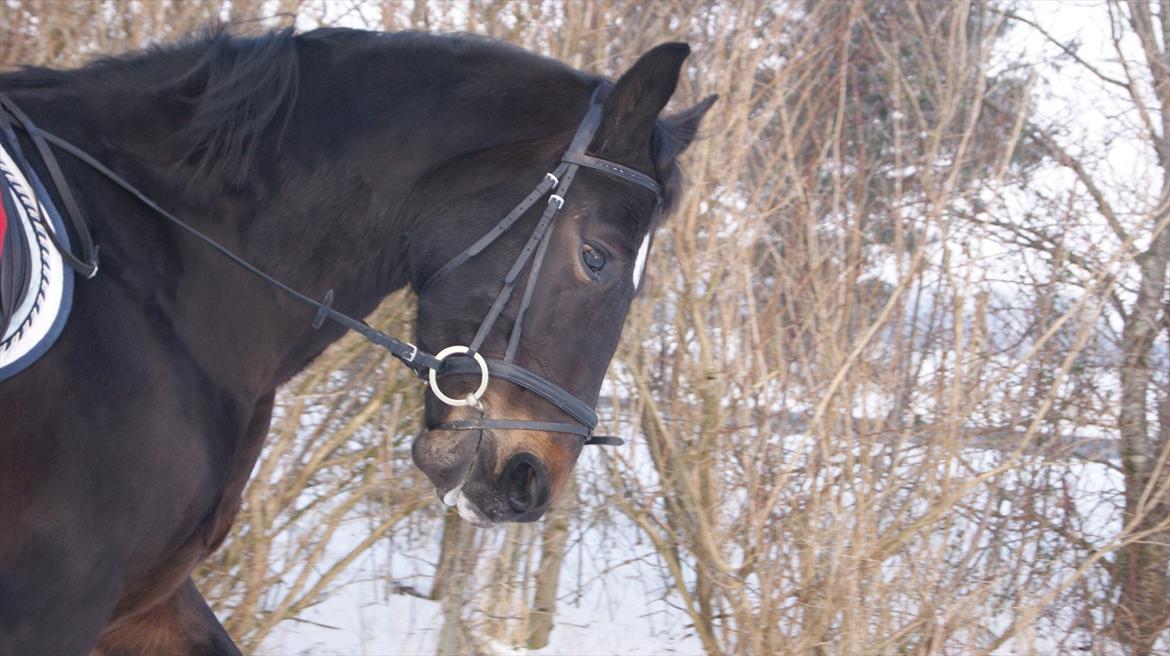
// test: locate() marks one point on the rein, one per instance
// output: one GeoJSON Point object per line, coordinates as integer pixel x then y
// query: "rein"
{"type": "Point", "coordinates": [427, 366]}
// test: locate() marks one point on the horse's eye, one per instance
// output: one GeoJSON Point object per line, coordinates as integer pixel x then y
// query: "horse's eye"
{"type": "Point", "coordinates": [594, 259]}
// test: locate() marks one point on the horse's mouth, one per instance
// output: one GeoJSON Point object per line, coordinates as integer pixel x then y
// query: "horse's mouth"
{"type": "Point", "coordinates": [449, 481]}
{"type": "Point", "coordinates": [455, 498]}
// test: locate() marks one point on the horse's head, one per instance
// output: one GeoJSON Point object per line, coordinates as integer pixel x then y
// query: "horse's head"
{"type": "Point", "coordinates": [594, 259]}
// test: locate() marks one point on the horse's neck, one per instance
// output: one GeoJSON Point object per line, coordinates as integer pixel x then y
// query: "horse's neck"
{"type": "Point", "coordinates": [324, 231]}
{"type": "Point", "coordinates": [316, 225]}
{"type": "Point", "coordinates": [325, 219]}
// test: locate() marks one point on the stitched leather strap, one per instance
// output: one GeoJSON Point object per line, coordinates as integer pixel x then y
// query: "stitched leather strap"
{"type": "Point", "coordinates": [535, 383]}
{"type": "Point", "coordinates": [615, 170]}
{"type": "Point", "coordinates": [520, 424]}
{"type": "Point", "coordinates": [515, 424]}
{"type": "Point", "coordinates": [543, 225]}
{"type": "Point", "coordinates": [500, 228]}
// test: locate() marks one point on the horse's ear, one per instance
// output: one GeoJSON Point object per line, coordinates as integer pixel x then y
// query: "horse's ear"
{"type": "Point", "coordinates": [639, 95]}
{"type": "Point", "coordinates": [683, 126]}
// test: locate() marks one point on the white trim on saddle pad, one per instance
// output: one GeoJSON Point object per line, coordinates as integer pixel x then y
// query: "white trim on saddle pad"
{"type": "Point", "coordinates": [43, 312]}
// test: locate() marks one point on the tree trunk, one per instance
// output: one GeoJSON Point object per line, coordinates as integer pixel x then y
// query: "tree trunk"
{"type": "Point", "coordinates": [454, 564]}
{"type": "Point", "coordinates": [1143, 564]}
{"type": "Point", "coordinates": [548, 576]}
{"type": "Point", "coordinates": [449, 550]}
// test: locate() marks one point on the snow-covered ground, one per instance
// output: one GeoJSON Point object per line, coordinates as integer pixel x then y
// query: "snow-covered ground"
{"type": "Point", "coordinates": [621, 608]}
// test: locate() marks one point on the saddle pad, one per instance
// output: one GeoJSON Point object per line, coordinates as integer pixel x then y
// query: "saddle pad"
{"type": "Point", "coordinates": [46, 284]}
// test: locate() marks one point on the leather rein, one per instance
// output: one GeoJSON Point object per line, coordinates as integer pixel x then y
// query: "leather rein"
{"type": "Point", "coordinates": [450, 361]}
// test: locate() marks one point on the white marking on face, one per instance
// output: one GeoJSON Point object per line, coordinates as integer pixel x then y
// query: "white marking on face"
{"type": "Point", "coordinates": [640, 262]}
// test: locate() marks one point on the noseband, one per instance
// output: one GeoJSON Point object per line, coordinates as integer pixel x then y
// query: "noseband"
{"type": "Point", "coordinates": [428, 367]}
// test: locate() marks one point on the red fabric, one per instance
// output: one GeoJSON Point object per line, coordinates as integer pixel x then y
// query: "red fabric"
{"type": "Point", "coordinates": [3, 228]}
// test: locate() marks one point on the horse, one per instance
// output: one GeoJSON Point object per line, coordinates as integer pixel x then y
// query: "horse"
{"type": "Point", "coordinates": [333, 164]}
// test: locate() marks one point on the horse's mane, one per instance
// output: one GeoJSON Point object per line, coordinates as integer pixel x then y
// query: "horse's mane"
{"type": "Point", "coordinates": [233, 89]}
{"type": "Point", "coordinates": [244, 86]}
{"type": "Point", "coordinates": [238, 88]}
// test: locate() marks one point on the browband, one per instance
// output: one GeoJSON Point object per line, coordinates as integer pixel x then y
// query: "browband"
{"type": "Point", "coordinates": [615, 170]}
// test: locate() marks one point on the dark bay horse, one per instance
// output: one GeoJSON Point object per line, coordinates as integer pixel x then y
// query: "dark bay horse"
{"type": "Point", "coordinates": [336, 159]}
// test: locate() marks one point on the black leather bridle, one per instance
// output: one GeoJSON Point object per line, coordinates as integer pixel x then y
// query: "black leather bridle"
{"type": "Point", "coordinates": [453, 360]}
{"type": "Point", "coordinates": [561, 178]}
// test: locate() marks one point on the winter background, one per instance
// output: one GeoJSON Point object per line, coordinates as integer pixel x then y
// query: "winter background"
{"type": "Point", "coordinates": [897, 382]}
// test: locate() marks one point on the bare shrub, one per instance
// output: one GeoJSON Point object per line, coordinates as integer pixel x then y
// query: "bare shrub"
{"type": "Point", "coordinates": [876, 382]}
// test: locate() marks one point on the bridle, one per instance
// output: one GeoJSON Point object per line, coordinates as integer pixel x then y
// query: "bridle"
{"type": "Point", "coordinates": [452, 360]}
{"type": "Point", "coordinates": [471, 362]}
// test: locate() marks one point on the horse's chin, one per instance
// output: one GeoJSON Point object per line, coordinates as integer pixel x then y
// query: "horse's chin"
{"type": "Point", "coordinates": [446, 457]}
{"type": "Point", "coordinates": [466, 507]}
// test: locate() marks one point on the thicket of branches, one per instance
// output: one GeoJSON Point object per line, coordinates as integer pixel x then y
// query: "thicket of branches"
{"type": "Point", "coordinates": [898, 381]}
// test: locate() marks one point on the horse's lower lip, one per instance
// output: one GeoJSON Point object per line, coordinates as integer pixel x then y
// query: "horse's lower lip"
{"type": "Point", "coordinates": [471, 514]}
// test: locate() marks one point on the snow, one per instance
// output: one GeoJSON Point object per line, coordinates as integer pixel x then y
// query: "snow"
{"type": "Point", "coordinates": [622, 607]}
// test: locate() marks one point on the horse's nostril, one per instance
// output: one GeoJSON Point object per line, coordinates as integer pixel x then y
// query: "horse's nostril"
{"type": "Point", "coordinates": [525, 483]}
